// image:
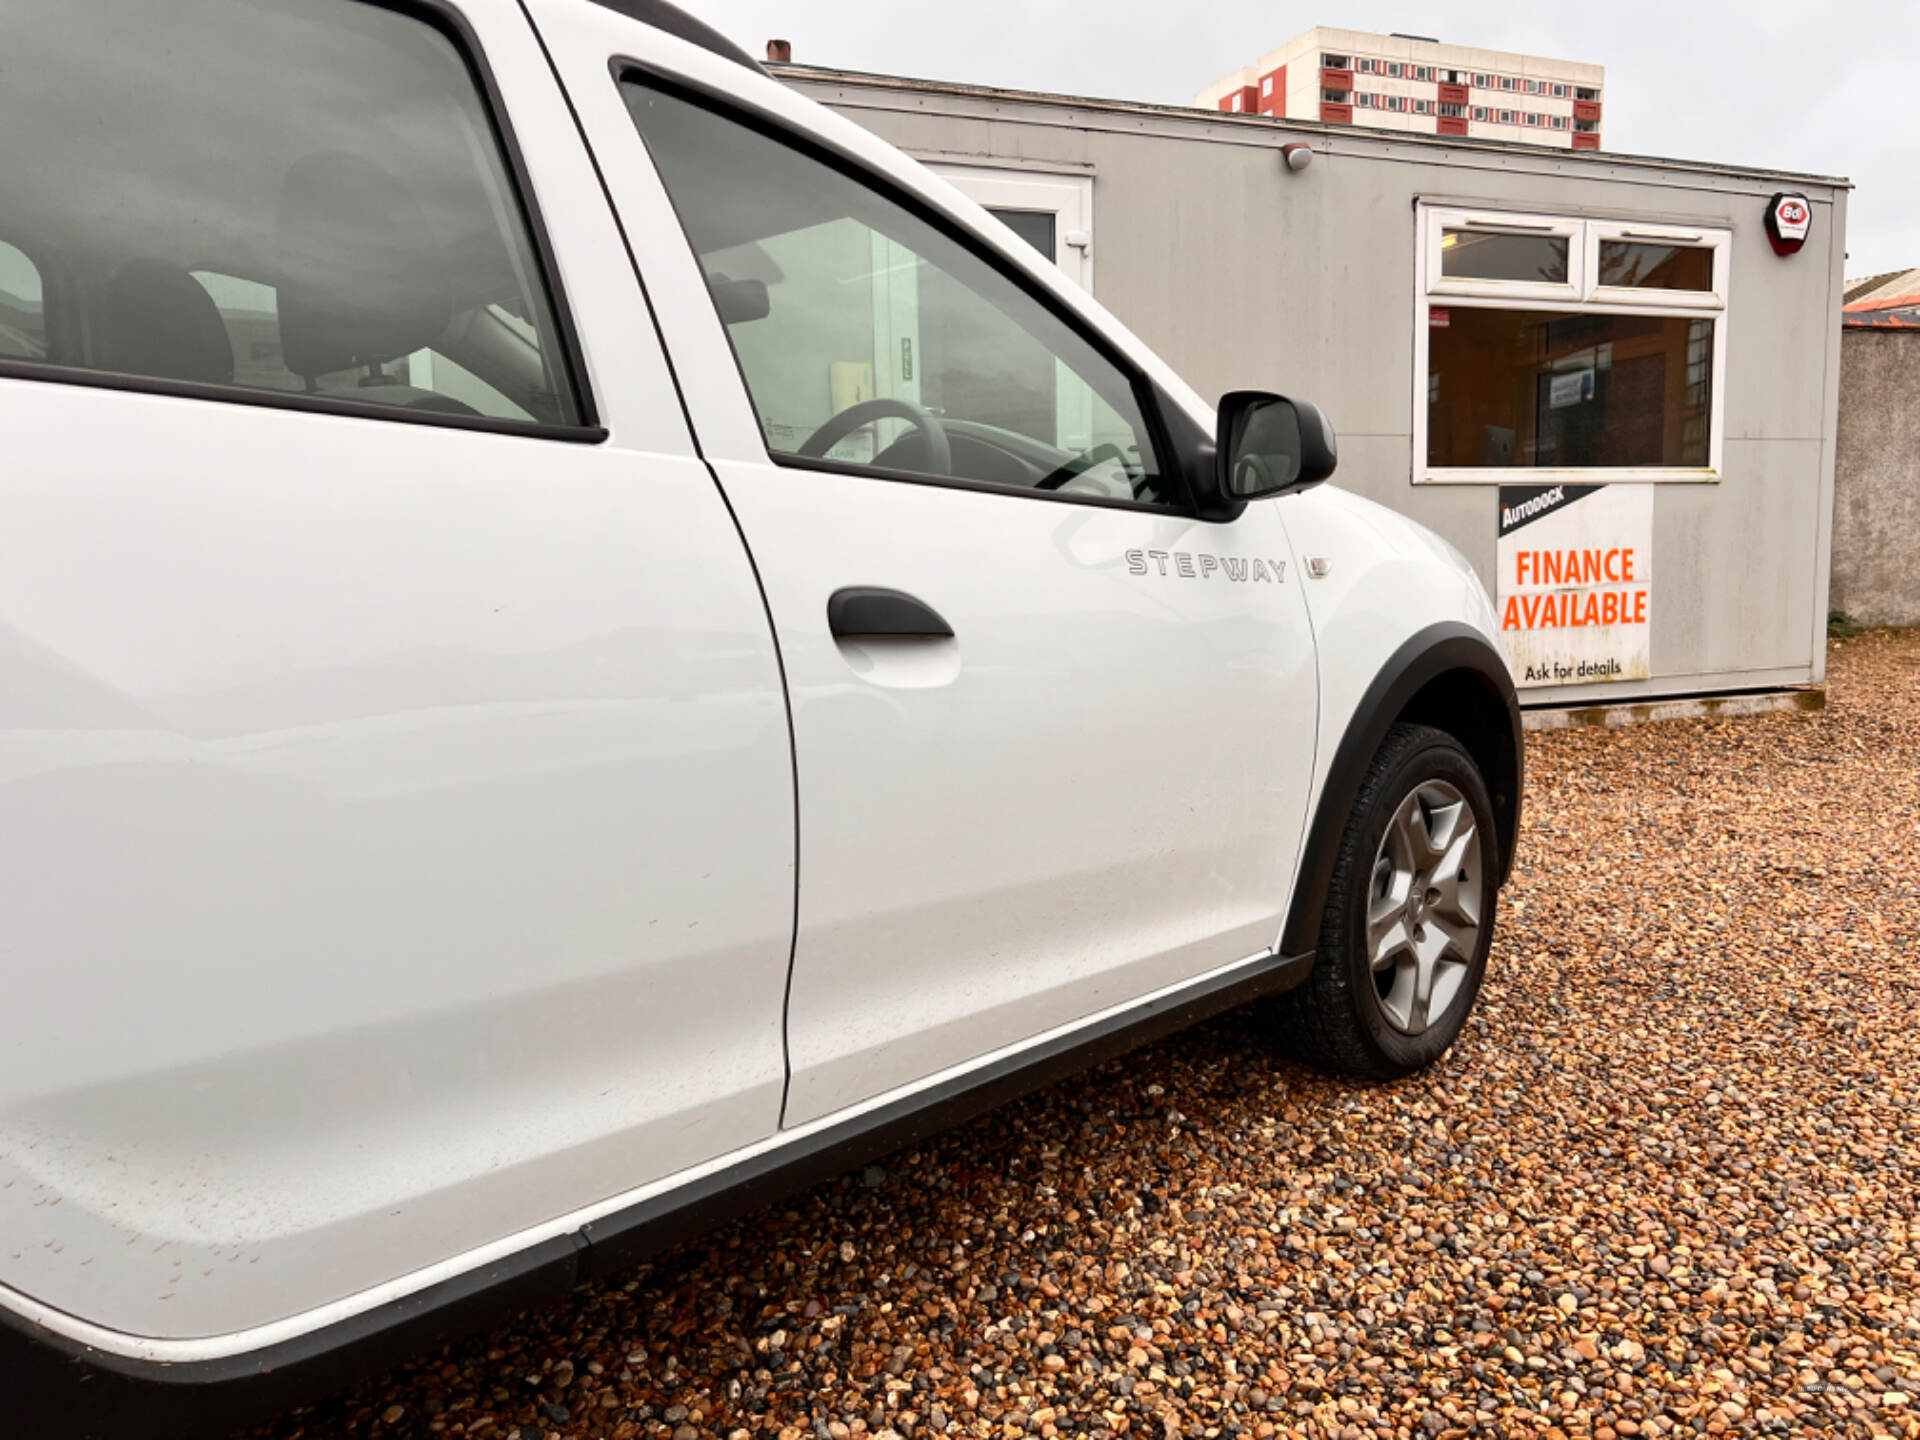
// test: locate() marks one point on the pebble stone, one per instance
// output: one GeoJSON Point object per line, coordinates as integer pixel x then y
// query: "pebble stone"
{"type": "Point", "coordinates": [1665, 1184]}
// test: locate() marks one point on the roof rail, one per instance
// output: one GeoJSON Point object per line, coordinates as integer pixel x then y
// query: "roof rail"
{"type": "Point", "coordinates": [671, 18]}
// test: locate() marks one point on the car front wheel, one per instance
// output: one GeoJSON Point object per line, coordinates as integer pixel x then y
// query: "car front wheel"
{"type": "Point", "coordinates": [1408, 918]}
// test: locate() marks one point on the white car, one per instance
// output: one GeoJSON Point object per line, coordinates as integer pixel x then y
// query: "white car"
{"type": "Point", "coordinates": [582, 644]}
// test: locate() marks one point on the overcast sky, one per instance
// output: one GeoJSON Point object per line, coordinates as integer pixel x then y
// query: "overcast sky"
{"type": "Point", "coordinates": [1830, 87]}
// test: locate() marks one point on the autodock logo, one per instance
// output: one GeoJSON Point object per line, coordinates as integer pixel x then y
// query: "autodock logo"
{"type": "Point", "coordinates": [1520, 511]}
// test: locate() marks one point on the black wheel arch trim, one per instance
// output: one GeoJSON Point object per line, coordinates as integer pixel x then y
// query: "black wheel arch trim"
{"type": "Point", "coordinates": [1449, 654]}
{"type": "Point", "coordinates": [57, 1385]}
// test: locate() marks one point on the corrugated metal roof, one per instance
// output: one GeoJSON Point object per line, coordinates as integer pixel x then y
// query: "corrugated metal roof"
{"type": "Point", "coordinates": [1860, 289]}
{"type": "Point", "coordinates": [1883, 302]}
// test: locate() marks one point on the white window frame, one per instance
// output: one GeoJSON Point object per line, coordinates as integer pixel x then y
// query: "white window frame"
{"type": "Point", "coordinates": [1067, 196]}
{"type": "Point", "coordinates": [1635, 298]}
{"type": "Point", "coordinates": [1581, 295]}
{"type": "Point", "coordinates": [1437, 283]}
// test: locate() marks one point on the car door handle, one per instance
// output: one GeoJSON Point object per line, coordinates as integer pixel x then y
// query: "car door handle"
{"type": "Point", "coordinates": [865, 611]}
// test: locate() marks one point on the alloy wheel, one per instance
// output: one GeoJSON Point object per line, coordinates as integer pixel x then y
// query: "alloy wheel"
{"type": "Point", "coordinates": [1424, 907]}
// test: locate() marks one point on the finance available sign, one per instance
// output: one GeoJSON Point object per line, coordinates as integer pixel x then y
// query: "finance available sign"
{"type": "Point", "coordinates": [1576, 582]}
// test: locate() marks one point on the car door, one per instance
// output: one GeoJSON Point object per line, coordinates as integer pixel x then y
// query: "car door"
{"type": "Point", "coordinates": [1078, 776]}
{"type": "Point", "coordinates": [396, 815]}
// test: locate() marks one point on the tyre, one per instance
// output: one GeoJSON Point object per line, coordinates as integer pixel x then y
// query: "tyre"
{"type": "Point", "coordinates": [1408, 917]}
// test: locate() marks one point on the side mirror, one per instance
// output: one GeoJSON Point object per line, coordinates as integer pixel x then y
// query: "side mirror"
{"type": "Point", "coordinates": [1270, 445]}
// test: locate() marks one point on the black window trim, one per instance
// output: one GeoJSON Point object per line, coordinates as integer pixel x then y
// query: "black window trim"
{"type": "Point", "coordinates": [82, 377]}
{"type": "Point", "coordinates": [569, 364]}
{"type": "Point", "coordinates": [786, 460]}
{"type": "Point", "coordinates": [1173, 467]}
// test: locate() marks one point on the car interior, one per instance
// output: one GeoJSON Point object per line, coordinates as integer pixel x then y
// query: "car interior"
{"type": "Point", "coordinates": [267, 232]}
{"type": "Point", "coordinates": [869, 336]}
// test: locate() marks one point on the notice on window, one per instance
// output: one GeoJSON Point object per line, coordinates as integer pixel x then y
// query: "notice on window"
{"type": "Point", "coordinates": [1575, 589]}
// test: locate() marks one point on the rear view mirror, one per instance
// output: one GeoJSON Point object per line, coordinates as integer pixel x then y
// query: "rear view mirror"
{"type": "Point", "coordinates": [739, 300]}
{"type": "Point", "coordinates": [1269, 445]}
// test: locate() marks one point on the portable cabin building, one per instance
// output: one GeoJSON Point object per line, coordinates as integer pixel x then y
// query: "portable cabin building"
{"type": "Point", "coordinates": [1609, 380]}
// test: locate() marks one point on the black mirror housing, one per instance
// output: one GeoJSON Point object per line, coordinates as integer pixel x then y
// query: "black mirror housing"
{"type": "Point", "coordinates": [1268, 445]}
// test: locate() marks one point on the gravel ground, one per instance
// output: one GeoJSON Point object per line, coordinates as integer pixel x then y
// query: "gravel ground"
{"type": "Point", "coordinates": [1665, 1183]}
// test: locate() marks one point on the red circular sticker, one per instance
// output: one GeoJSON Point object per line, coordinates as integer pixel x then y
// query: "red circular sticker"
{"type": "Point", "coordinates": [1789, 218]}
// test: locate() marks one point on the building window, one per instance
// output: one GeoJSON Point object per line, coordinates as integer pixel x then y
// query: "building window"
{"type": "Point", "coordinates": [1363, 67]}
{"type": "Point", "coordinates": [1559, 92]}
{"type": "Point", "coordinates": [1507, 117]}
{"type": "Point", "coordinates": [1586, 127]}
{"type": "Point", "coordinates": [1266, 86]}
{"type": "Point", "coordinates": [1336, 97]}
{"type": "Point", "coordinates": [1654, 260]}
{"type": "Point", "coordinates": [1485, 82]}
{"type": "Point", "coordinates": [1334, 62]}
{"type": "Point", "coordinates": [1585, 92]}
{"type": "Point", "coordinates": [1455, 111]}
{"type": "Point", "coordinates": [1551, 344]}
{"type": "Point", "coordinates": [1507, 82]}
{"type": "Point", "coordinates": [1480, 112]}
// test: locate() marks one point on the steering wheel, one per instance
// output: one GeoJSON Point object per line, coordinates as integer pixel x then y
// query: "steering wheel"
{"type": "Point", "coordinates": [881, 407]}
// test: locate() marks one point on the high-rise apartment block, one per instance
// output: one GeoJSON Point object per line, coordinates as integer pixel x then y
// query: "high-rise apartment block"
{"type": "Point", "coordinates": [1411, 83]}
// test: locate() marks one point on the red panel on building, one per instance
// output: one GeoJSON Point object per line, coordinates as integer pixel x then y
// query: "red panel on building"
{"type": "Point", "coordinates": [1587, 141]}
{"type": "Point", "coordinates": [1336, 79]}
{"type": "Point", "coordinates": [1453, 95]}
{"type": "Point", "coordinates": [1248, 96]}
{"type": "Point", "coordinates": [1335, 114]}
{"type": "Point", "coordinates": [1453, 124]}
{"type": "Point", "coordinates": [1586, 109]}
{"type": "Point", "coordinates": [1273, 92]}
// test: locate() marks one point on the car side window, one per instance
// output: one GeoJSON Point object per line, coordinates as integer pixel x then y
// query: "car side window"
{"type": "Point", "coordinates": [312, 202]}
{"type": "Point", "coordinates": [872, 339]}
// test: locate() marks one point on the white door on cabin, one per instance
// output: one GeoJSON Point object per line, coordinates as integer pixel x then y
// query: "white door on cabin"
{"type": "Point", "coordinates": [1053, 213]}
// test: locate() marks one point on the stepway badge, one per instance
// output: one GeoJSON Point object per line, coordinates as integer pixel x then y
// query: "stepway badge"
{"type": "Point", "coordinates": [1575, 587]}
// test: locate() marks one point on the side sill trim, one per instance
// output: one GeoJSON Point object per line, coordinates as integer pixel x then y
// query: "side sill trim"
{"type": "Point", "coordinates": [62, 1386]}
